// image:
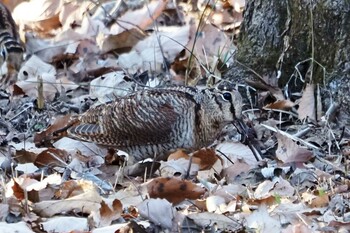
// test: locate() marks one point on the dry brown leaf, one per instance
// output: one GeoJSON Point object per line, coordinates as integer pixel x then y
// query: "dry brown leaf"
{"type": "Point", "coordinates": [18, 191]}
{"type": "Point", "coordinates": [212, 172]}
{"type": "Point", "coordinates": [181, 67]}
{"type": "Point", "coordinates": [281, 105]}
{"type": "Point", "coordinates": [114, 211]}
{"type": "Point", "coordinates": [109, 211]}
{"type": "Point", "coordinates": [52, 157]}
{"type": "Point", "coordinates": [284, 189]}
{"type": "Point", "coordinates": [239, 167]}
{"type": "Point", "coordinates": [16, 90]}
{"type": "Point", "coordinates": [72, 13]}
{"type": "Point", "coordinates": [26, 152]}
{"type": "Point", "coordinates": [27, 188]}
{"type": "Point", "coordinates": [42, 16]}
{"type": "Point", "coordinates": [307, 108]}
{"type": "Point", "coordinates": [263, 189]}
{"type": "Point", "coordinates": [269, 189]}
{"type": "Point", "coordinates": [73, 188]}
{"type": "Point", "coordinates": [210, 42]}
{"type": "Point", "coordinates": [55, 131]}
{"type": "Point", "coordinates": [235, 150]}
{"type": "Point", "coordinates": [289, 151]}
{"type": "Point", "coordinates": [122, 42]}
{"type": "Point", "coordinates": [207, 158]}
{"type": "Point", "coordinates": [25, 184]}
{"type": "Point", "coordinates": [173, 189]}
{"type": "Point", "coordinates": [141, 18]}
{"type": "Point", "coordinates": [177, 167]}
{"type": "Point", "coordinates": [178, 154]}
{"type": "Point", "coordinates": [230, 191]}
{"type": "Point", "coordinates": [297, 228]}
{"type": "Point", "coordinates": [131, 196]}
{"type": "Point", "coordinates": [149, 54]}
{"type": "Point", "coordinates": [83, 203]}
{"type": "Point", "coordinates": [315, 201]}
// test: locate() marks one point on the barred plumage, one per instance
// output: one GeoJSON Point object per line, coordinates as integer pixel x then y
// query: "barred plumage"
{"type": "Point", "coordinates": [11, 49]}
{"type": "Point", "coordinates": [155, 121]}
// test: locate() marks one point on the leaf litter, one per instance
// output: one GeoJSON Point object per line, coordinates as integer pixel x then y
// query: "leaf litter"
{"type": "Point", "coordinates": [82, 54]}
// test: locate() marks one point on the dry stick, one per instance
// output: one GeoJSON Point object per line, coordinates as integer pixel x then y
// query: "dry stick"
{"type": "Point", "coordinates": [40, 99]}
{"type": "Point", "coordinates": [194, 43]}
{"type": "Point", "coordinates": [160, 8]}
{"type": "Point", "coordinates": [223, 154]}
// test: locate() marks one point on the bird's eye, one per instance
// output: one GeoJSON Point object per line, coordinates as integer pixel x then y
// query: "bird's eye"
{"type": "Point", "coordinates": [227, 96]}
{"type": "Point", "coordinates": [3, 54]}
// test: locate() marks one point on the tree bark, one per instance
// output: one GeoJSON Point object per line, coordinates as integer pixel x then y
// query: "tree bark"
{"type": "Point", "coordinates": [306, 40]}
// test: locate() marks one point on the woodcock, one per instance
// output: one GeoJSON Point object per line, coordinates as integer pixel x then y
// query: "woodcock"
{"type": "Point", "coordinates": [11, 49]}
{"type": "Point", "coordinates": [153, 122]}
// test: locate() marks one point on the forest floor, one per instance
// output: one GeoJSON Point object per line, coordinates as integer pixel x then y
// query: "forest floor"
{"type": "Point", "coordinates": [80, 54]}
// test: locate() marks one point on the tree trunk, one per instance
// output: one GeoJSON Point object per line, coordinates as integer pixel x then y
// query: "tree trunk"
{"type": "Point", "coordinates": [305, 40]}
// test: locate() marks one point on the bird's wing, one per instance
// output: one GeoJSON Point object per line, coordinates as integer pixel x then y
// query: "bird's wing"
{"type": "Point", "coordinates": [140, 119]}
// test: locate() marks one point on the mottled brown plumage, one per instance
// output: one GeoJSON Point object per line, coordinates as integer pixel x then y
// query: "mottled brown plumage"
{"type": "Point", "coordinates": [11, 49]}
{"type": "Point", "coordinates": [155, 121]}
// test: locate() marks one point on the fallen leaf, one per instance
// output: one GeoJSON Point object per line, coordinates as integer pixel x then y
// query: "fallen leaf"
{"type": "Point", "coordinates": [15, 227]}
{"type": "Point", "coordinates": [140, 18]}
{"type": "Point", "coordinates": [178, 154]}
{"type": "Point", "coordinates": [42, 17]}
{"type": "Point", "coordinates": [307, 108]}
{"type": "Point", "coordinates": [64, 224]}
{"type": "Point", "coordinates": [235, 150]}
{"type": "Point", "coordinates": [262, 221]}
{"type": "Point", "coordinates": [216, 204]}
{"type": "Point", "coordinates": [177, 167]}
{"type": "Point", "coordinates": [269, 188]}
{"type": "Point", "coordinates": [73, 188]}
{"type": "Point", "coordinates": [315, 201]}
{"type": "Point", "coordinates": [280, 105]}
{"type": "Point", "coordinates": [289, 151]}
{"type": "Point", "coordinates": [159, 211]}
{"type": "Point", "coordinates": [52, 157]}
{"type": "Point", "coordinates": [55, 131]}
{"type": "Point", "coordinates": [236, 169]}
{"type": "Point", "coordinates": [211, 220]}
{"type": "Point", "coordinates": [110, 86]}
{"type": "Point", "coordinates": [83, 203]}
{"type": "Point", "coordinates": [122, 42]}
{"type": "Point", "coordinates": [173, 189]}
{"type": "Point", "coordinates": [207, 158]}
{"type": "Point", "coordinates": [109, 211]}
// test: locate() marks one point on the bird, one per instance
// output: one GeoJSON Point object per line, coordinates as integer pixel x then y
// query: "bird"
{"type": "Point", "coordinates": [151, 123]}
{"type": "Point", "coordinates": [11, 49]}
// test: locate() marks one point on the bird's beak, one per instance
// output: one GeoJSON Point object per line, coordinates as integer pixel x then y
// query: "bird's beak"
{"type": "Point", "coordinates": [247, 138]}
